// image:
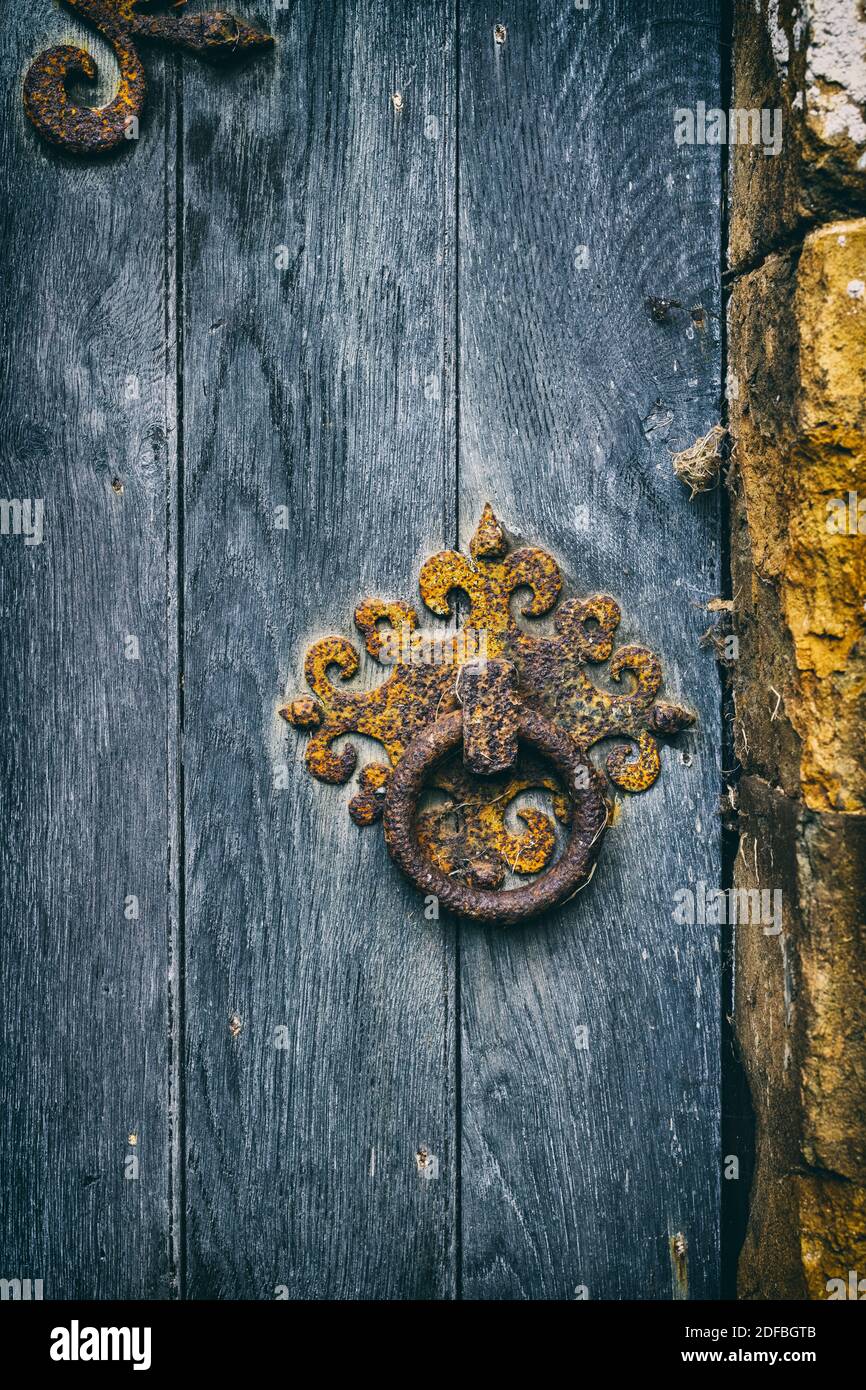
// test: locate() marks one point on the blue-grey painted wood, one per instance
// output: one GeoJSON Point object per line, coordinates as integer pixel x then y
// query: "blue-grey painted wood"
{"type": "Point", "coordinates": [384, 324]}
{"type": "Point", "coordinates": [89, 685]}
{"type": "Point", "coordinates": [318, 268]}
{"type": "Point", "coordinates": [585, 1153]}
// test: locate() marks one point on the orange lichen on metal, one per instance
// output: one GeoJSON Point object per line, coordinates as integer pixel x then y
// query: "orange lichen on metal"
{"type": "Point", "coordinates": [468, 833]}
{"type": "Point", "coordinates": [96, 129]}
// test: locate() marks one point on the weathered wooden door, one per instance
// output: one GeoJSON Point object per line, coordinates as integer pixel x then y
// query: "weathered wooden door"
{"type": "Point", "coordinates": [259, 364]}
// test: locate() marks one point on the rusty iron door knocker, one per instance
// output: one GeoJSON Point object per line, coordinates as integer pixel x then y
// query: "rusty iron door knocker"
{"type": "Point", "coordinates": [524, 711]}
{"type": "Point", "coordinates": [589, 815]}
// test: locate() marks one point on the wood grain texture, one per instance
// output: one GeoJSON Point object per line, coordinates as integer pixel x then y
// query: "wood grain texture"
{"type": "Point", "coordinates": [584, 1154]}
{"type": "Point", "coordinates": [87, 808]}
{"type": "Point", "coordinates": [382, 325]}
{"type": "Point", "coordinates": [318, 386]}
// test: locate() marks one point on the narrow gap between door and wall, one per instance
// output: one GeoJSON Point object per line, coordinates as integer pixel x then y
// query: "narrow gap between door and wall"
{"type": "Point", "coordinates": [737, 1121]}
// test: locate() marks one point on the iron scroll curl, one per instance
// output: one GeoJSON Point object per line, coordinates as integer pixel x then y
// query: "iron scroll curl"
{"type": "Point", "coordinates": [98, 129]}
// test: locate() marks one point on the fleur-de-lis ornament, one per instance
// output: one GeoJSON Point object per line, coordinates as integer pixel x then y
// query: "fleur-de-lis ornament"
{"type": "Point", "coordinates": [96, 129]}
{"type": "Point", "coordinates": [488, 686]}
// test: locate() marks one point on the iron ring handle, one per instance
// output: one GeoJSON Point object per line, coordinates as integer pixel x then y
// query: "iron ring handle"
{"type": "Point", "coordinates": [571, 870]}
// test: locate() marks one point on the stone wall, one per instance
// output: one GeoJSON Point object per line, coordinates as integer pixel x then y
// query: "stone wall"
{"type": "Point", "coordinates": [797, 414]}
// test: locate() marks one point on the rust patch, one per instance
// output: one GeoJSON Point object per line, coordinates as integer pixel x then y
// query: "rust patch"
{"type": "Point", "coordinates": [680, 1262]}
{"type": "Point", "coordinates": [97, 129]}
{"type": "Point", "coordinates": [468, 838]}
{"type": "Point", "coordinates": [486, 690]}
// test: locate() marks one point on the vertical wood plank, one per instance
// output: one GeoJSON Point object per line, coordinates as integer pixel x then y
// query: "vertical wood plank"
{"type": "Point", "coordinates": [89, 678]}
{"type": "Point", "coordinates": [585, 1154]}
{"type": "Point", "coordinates": [318, 326]}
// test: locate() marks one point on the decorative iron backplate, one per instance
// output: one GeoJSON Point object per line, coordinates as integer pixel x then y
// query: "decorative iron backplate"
{"type": "Point", "coordinates": [497, 673]}
{"type": "Point", "coordinates": [94, 130]}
